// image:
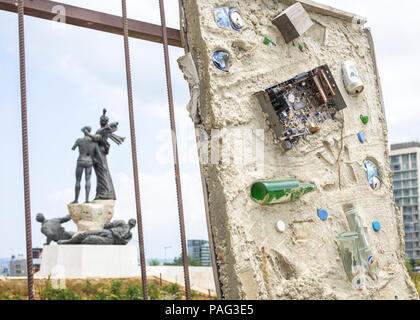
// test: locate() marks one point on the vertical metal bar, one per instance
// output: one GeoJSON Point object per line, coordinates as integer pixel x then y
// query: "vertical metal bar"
{"type": "Point", "coordinates": [215, 267]}
{"type": "Point", "coordinates": [134, 151]}
{"type": "Point", "coordinates": [25, 151]}
{"type": "Point", "coordinates": [175, 151]}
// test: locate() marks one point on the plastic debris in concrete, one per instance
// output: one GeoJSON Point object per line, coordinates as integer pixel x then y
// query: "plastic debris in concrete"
{"type": "Point", "coordinates": [351, 78]}
{"type": "Point", "coordinates": [372, 174]}
{"type": "Point", "coordinates": [365, 119]}
{"type": "Point", "coordinates": [376, 225]}
{"type": "Point", "coordinates": [323, 214]}
{"type": "Point", "coordinates": [361, 137]}
{"type": "Point", "coordinates": [221, 60]}
{"type": "Point", "coordinates": [300, 46]}
{"type": "Point", "coordinates": [280, 226]}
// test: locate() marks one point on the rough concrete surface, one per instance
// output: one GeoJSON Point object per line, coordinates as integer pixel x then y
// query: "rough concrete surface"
{"type": "Point", "coordinates": [254, 260]}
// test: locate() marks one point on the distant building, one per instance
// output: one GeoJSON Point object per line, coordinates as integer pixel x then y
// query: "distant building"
{"type": "Point", "coordinates": [18, 266]}
{"type": "Point", "coordinates": [4, 271]}
{"type": "Point", "coordinates": [37, 255]}
{"type": "Point", "coordinates": [205, 254]}
{"type": "Point", "coordinates": [200, 250]}
{"type": "Point", "coordinates": [405, 163]}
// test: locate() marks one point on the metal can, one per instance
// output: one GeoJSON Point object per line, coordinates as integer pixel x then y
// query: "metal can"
{"type": "Point", "coordinates": [235, 19]}
{"type": "Point", "coordinates": [221, 60]}
{"type": "Point", "coordinates": [372, 175]}
{"type": "Point", "coordinates": [222, 17]}
{"type": "Point", "coordinates": [351, 79]}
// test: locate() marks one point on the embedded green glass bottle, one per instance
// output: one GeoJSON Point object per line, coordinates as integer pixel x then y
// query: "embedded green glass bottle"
{"type": "Point", "coordinates": [279, 191]}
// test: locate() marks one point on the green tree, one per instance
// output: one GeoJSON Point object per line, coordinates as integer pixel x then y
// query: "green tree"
{"type": "Point", "coordinates": [408, 266]}
{"type": "Point", "coordinates": [154, 262]}
{"type": "Point", "coordinates": [191, 262]}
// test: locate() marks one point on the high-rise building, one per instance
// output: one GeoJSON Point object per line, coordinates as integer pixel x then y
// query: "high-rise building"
{"type": "Point", "coordinates": [405, 163]}
{"type": "Point", "coordinates": [200, 250]}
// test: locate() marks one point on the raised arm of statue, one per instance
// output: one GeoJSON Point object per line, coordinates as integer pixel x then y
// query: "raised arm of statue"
{"type": "Point", "coordinates": [65, 219]}
{"type": "Point", "coordinates": [94, 137]}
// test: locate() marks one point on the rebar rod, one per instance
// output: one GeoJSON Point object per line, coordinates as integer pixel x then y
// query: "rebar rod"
{"type": "Point", "coordinates": [134, 151]}
{"type": "Point", "coordinates": [175, 151]}
{"type": "Point", "coordinates": [25, 151]}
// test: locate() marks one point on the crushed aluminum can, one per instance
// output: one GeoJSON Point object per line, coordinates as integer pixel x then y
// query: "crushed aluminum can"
{"type": "Point", "coordinates": [372, 174]}
{"type": "Point", "coordinates": [221, 60]}
{"type": "Point", "coordinates": [222, 17]}
{"type": "Point", "coordinates": [351, 78]}
{"type": "Point", "coordinates": [235, 19]}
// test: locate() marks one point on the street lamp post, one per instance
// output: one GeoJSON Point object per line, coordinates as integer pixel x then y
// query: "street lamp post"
{"type": "Point", "coordinates": [166, 248]}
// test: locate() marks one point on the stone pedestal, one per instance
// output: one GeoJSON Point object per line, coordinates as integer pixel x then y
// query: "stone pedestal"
{"type": "Point", "coordinates": [91, 216]}
{"type": "Point", "coordinates": [88, 261]}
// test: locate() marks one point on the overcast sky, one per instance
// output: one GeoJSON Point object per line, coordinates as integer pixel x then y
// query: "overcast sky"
{"type": "Point", "coordinates": [73, 73]}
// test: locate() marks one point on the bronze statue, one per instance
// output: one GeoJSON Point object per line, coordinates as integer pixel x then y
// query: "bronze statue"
{"type": "Point", "coordinates": [88, 150]}
{"type": "Point", "coordinates": [93, 151]}
{"type": "Point", "coordinates": [114, 233]}
{"type": "Point", "coordinates": [52, 228]}
{"type": "Point", "coordinates": [105, 188]}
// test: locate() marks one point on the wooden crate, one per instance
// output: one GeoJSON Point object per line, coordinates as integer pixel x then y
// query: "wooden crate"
{"type": "Point", "coordinates": [293, 22]}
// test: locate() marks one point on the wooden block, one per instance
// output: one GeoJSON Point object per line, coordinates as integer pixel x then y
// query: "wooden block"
{"type": "Point", "coordinates": [293, 22]}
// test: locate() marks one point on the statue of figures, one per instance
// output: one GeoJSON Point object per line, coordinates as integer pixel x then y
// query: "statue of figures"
{"type": "Point", "coordinates": [105, 188]}
{"type": "Point", "coordinates": [88, 150]}
{"type": "Point", "coordinates": [52, 228]}
{"type": "Point", "coordinates": [114, 233]}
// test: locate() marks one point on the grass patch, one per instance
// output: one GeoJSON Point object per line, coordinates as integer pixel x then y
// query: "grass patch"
{"type": "Point", "coordinates": [100, 289]}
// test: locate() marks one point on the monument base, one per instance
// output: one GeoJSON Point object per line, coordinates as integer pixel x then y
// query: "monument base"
{"type": "Point", "coordinates": [91, 216]}
{"type": "Point", "coordinates": [88, 261]}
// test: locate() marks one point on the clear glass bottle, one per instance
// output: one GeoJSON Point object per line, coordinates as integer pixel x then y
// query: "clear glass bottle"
{"type": "Point", "coordinates": [368, 260]}
{"type": "Point", "coordinates": [350, 256]}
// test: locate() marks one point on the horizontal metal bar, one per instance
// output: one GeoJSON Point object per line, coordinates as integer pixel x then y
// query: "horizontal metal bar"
{"type": "Point", "coordinates": [81, 17]}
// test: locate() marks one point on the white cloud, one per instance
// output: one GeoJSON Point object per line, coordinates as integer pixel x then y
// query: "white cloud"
{"type": "Point", "coordinates": [159, 209]}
